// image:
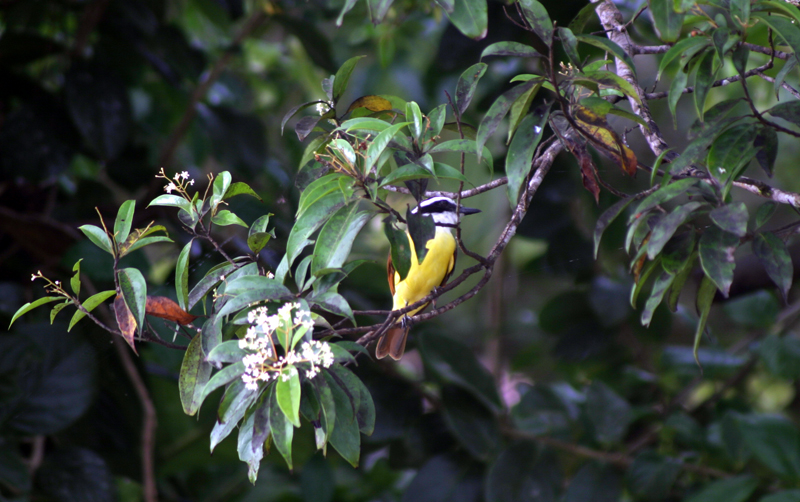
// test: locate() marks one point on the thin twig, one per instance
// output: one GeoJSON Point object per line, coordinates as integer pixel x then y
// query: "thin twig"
{"type": "Point", "coordinates": [718, 83]}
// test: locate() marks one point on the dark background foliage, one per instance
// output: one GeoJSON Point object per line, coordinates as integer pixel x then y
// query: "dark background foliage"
{"type": "Point", "coordinates": [97, 95]}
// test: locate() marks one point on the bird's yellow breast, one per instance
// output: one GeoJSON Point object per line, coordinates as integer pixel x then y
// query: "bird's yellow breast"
{"type": "Point", "coordinates": [423, 277]}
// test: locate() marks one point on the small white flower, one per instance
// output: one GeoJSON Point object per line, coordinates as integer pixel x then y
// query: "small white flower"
{"type": "Point", "coordinates": [170, 187]}
{"type": "Point", "coordinates": [185, 175]}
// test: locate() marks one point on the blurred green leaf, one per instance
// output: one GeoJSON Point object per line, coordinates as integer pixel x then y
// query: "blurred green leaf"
{"type": "Point", "coordinates": [194, 375]}
{"type": "Point", "coordinates": [651, 475]}
{"type": "Point", "coordinates": [774, 441]}
{"type": "Point", "coordinates": [467, 83]}
{"type": "Point", "coordinates": [716, 255]}
{"type": "Point", "coordinates": [470, 17]}
{"type": "Point", "coordinates": [774, 256]}
{"type": "Point", "coordinates": [736, 489]}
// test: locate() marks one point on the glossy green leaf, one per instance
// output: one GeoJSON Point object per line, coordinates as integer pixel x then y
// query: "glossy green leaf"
{"type": "Point", "coordinates": [470, 17]}
{"type": "Point", "coordinates": [716, 255]}
{"type": "Point", "coordinates": [336, 237]}
{"type": "Point", "coordinates": [122, 225]}
{"type": "Point", "coordinates": [729, 149]}
{"type": "Point", "coordinates": [414, 117]}
{"type": "Point", "coordinates": [224, 218]}
{"type": "Point", "coordinates": [194, 375]}
{"type": "Point", "coordinates": [134, 291]}
{"type": "Point", "coordinates": [683, 49]}
{"type": "Point", "coordinates": [764, 213]}
{"type": "Point", "coordinates": [703, 301]}
{"type": "Point", "coordinates": [32, 305]}
{"type": "Point", "coordinates": [467, 83]}
{"type": "Point", "coordinates": [220, 186]}
{"type": "Point", "coordinates": [242, 291]}
{"type": "Point", "coordinates": [668, 23]}
{"type": "Point", "coordinates": [538, 18]}
{"type": "Point", "coordinates": [519, 110]}
{"type": "Point", "coordinates": [731, 218]}
{"type": "Point", "coordinates": [570, 45]}
{"type": "Point", "coordinates": [344, 437]}
{"type": "Point", "coordinates": [609, 46]}
{"type": "Point", "coordinates": [310, 221]}
{"type": "Point", "coordinates": [287, 394]}
{"type": "Point", "coordinates": [98, 237]}
{"type": "Point", "coordinates": [240, 188]}
{"type": "Point", "coordinates": [785, 28]}
{"type": "Point", "coordinates": [75, 280]}
{"type": "Point", "coordinates": [520, 153]}
{"type": "Point", "coordinates": [379, 144]}
{"type": "Point", "coordinates": [681, 276]}
{"type": "Point", "coordinates": [90, 304]}
{"type": "Point", "coordinates": [767, 143]}
{"type": "Point", "coordinates": [788, 110]}
{"type": "Point", "coordinates": [608, 217]}
{"type": "Point", "coordinates": [705, 72]}
{"type": "Point", "coordinates": [661, 285]}
{"type": "Point", "coordinates": [676, 88]}
{"type": "Point", "coordinates": [344, 72]}
{"type": "Point", "coordinates": [662, 195]}
{"type": "Point", "coordinates": [463, 146]}
{"type": "Point", "coordinates": [182, 276]}
{"type": "Point", "coordinates": [515, 49]}
{"type": "Point", "coordinates": [226, 352]}
{"type": "Point", "coordinates": [334, 303]}
{"type": "Point", "coordinates": [774, 256]}
{"type": "Point", "coordinates": [663, 231]}
{"type": "Point", "coordinates": [497, 111]}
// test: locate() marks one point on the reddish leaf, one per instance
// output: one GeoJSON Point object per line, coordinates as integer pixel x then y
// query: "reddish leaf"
{"type": "Point", "coordinates": [165, 308]}
{"type": "Point", "coordinates": [588, 169]}
{"type": "Point", "coordinates": [125, 320]}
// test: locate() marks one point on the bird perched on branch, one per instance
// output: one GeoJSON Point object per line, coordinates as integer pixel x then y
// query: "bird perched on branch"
{"type": "Point", "coordinates": [430, 223]}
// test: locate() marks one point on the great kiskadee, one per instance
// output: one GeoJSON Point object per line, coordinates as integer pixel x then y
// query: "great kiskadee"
{"type": "Point", "coordinates": [422, 277]}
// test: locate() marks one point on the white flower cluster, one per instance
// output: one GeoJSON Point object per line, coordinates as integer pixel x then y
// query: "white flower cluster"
{"type": "Point", "coordinates": [179, 182]}
{"type": "Point", "coordinates": [263, 363]}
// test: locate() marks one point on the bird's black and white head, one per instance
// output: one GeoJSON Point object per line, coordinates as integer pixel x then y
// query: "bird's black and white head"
{"type": "Point", "coordinates": [444, 210]}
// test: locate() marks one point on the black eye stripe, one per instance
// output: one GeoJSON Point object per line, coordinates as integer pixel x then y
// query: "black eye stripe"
{"type": "Point", "coordinates": [438, 206]}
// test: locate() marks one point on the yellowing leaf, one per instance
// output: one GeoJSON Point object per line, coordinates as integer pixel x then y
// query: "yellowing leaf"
{"type": "Point", "coordinates": [605, 138]}
{"type": "Point", "coordinates": [371, 103]}
{"type": "Point", "coordinates": [125, 320]}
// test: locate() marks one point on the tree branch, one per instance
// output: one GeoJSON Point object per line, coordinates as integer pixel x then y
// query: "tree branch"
{"type": "Point", "coordinates": [718, 83]}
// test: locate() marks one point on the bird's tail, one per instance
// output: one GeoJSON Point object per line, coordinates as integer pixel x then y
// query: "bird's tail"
{"type": "Point", "coordinates": [392, 343]}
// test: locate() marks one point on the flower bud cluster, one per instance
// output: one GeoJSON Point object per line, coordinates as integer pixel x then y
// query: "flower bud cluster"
{"type": "Point", "coordinates": [262, 363]}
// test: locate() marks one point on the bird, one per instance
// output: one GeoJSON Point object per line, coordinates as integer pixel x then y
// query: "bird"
{"type": "Point", "coordinates": [422, 278]}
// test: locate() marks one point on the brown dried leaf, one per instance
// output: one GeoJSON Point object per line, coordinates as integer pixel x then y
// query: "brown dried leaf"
{"type": "Point", "coordinates": [125, 320]}
{"type": "Point", "coordinates": [588, 169]}
{"type": "Point", "coordinates": [165, 308]}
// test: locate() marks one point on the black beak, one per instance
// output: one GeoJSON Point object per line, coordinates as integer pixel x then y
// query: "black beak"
{"type": "Point", "coordinates": [469, 210]}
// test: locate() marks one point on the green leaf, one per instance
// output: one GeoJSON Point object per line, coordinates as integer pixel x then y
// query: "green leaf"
{"type": "Point", "coordinates": [334, 303]}
{"type": "Point", "coordinates": [134, 291]}
{"type": "Point", "coordinates": [607, 79]}
{"type": "Point", "coordinates": [519, 159]}
{"type": "Point", "coordinates": [467, 83]}
{"type": "Point", "coordinates": [536, 15]}
{"type": "Point", "coordinates": [784, 496]}
{"type": "Point", "coordinates": [362, 399]}
{"type": "Point", "coordinates": [399, 248]}
{"type": "Point", "coordinates": [767, 143]}
{"type": "Point", "coordinates": [291, 113]}
{"type": "Point", "coordinates": [660, 287]}
{"type": "Point", "coordinates": [497, 111]}
{"type": "Point", "coordinates": [608, 413]}
{"type": "Point", "coordinates": [780, 78]}
{"type": "Point", "coordinates": [182, 276]}
{"type": "Point", "coordinates": [344, 437]}
{"type": "Point", "coordinates": [75, 280]}
{"type": "Point", "coordinates": [452, 361]}
{"type": "Point", "coordinates": [705, 72]}
{"type": "Point", "coordinates": [211, 279]}
{"type": "Point", "coordinates": [663, 231]}
{"type": "Point", "coordinates": [310, 221]}
{"type": "Point", "coordinates": [683, 49]}
{"type": "Point", "coordinates": [348, 5]}
{"type": "Point", "coordinates": [729, 149]}
{"type": "Point", "coordinates": [705, 297]}
{"type": "Point", "coordinates": [171, 201]}
{"type": "Point", "coordinates": [608, 217]}
{"type": "Point", "coordinates": [731, 218]}
{"type": "Point", "coordinates": [224, 218]}
{"type": "Point", "coordinates": [336, 237]}
{"type": "Point", "coordinates": [463, 146]}
{"type": "Point", "coordinates": [318, 189]}
{"type": "Point", "coordinates": [785, 28]}
{"type": "Point", "coordinates": [379, 144]}
{"type": "Point", "coordinates": [90, 304]}
{"type": "Point", "coordinates": [668, 23]}
{"type": "Point", "coordinates": [122, 225]}
{"type": "Point", "coordinates": [344, 72]}
{"type": "Point", "coordinates": [235, 401]}
{"type": "Point", "coordinates": [510, 49]}
{"type": "Point", "coordinates": [788, 110]}
{"type": "Point", "coordinates": [570, 45]}
{"type": "Point", "coordinates": [608, 46]}
{"type": "Point", "coordinates": [519, 474]}
{"type": "Point", "coordinates": [226, 352]}
{"type": "Point", "coordinates": [287, 394]}
{"type": "Point", "coordinates": [414, 116]}
{"type": "Point", "coordinates": [758, 310]}
{"type": "Point", "coordinates": [681, 276]}
{"type": "Point", "coordinates": [220, 187]}
{"type": "Point", "coordinates": [194, 375]}
{"type": "Point", "coordinates": [327, 417]}
{"type": "Point", "coordinates": [774, 256]}
{"type": "Point", "coordinates": [98, 237]}
{"type": "Point", "coordinates": [242, 291]}
{"type": "Point", "coordinates": [764, 213]}
{"type": "Point", "coordinates": [519, 110]}
{"type": "Point", "coordinates": [774, 441]}
{"type": "Point", "coordinates": [716, 255]}
{"type": "Point", "coordinates": [470, 17]}
{"type": "Point", "coordinates": [240, 188]}
{"type": "Point", "coordinates": [651, 473]}
{"type": "Point", "coordinates": [142, 242]}
{"type": "Point", "coordinates": [595, 482]}
{"type": "Point", "coordinates": [473, 425]}
{"type": "Point", "coordinates": [257, 236]}
{"type": "Point", "coordinates": [32, 305]}
{"type": "Point", "coordinates": [662, 195]}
